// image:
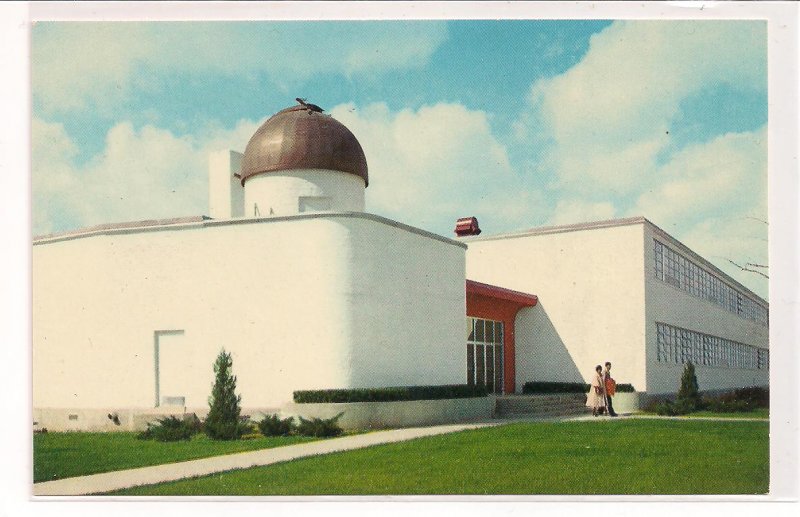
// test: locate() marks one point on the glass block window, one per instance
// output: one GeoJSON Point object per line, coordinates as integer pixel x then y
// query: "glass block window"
{"type": "Point", "coordinates": [678, 345]}
{"type": "Point", "coordinates": [679, 271]}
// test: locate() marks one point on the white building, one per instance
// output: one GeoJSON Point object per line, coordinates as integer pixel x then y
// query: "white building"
{"type": "Point", "coordinates": [307, 291]}
{"type": "Point", "coordinates": [625, 291]}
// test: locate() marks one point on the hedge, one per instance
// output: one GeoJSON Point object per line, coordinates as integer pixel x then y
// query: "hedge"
{"type": "Point", "coordinates": [554, 387]}
{"type": "Point", "coordinates": [566, 387]}
{"type": "Point", "coordinates": [450, 391]}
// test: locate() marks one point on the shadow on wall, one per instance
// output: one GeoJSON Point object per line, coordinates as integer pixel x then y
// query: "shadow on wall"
{"type": "Point", "coordinates": [540, 353]}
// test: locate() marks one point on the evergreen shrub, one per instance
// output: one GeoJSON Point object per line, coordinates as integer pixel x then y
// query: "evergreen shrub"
{"type": "Point", "coordinates": [320, 427]}
{"type": "Point", "coordinates": [169, 429]}
{"type": "Point", "coordinates": [271, 425]}
{"type": "Point", "coordinates": [689, 391]}
{"type": "Point", "coordinates": [555, 387]}
{"type": "Point", "coordinates": [670, 408]}
{"type": "Point", "coordinates": [223, 421]}
{"type": "Point", "coordinates": [448, 391]}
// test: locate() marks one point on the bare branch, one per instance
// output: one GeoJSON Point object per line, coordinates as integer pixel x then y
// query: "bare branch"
{"type": "Point", "coordinates": [743, 268]}
{"type": "Point", "coordinates": [756, 265]}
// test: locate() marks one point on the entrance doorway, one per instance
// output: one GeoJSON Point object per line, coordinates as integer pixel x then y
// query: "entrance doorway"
{"type": "Point", "coordinates": [485, 354]}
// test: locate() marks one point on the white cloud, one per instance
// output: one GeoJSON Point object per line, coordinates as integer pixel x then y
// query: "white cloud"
{"type": "Point", "coordinates": [727, 174]}
{"type": "Point", "coordinates": [427, 167]}
{"type": "Point", "coordinates": [603, 125]}
{"type": "Point", "coordinates": [140, 174]}
{"type": "Point", "coordinates": [431, 166]}
{"type": "Point", "coordinates": [714, 197]}
{"type": "Point", "coordinates": [568, 211]}
{"type": "Point", "coordinates": [608, 116]}
{"type": "Point", "coordinates": [98, 64]}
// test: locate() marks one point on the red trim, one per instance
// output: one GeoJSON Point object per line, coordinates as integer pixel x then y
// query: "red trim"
{"type": "Point", "coordinates": [501, 293]}
{"type": "Point", "coordinates": [499, 304]}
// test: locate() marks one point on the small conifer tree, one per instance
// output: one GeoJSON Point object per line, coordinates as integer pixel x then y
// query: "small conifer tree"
{"type": "Point", "coordinates": [222, 422]}
{"type": "Point", "coordinates": [689, 392]}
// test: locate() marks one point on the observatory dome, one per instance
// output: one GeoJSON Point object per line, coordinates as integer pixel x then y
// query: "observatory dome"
{"type": "Point", "coordinates": [300, 137]}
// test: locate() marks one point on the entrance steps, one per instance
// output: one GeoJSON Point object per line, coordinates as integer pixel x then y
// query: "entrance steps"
{"type": "Point", "coordinates": [561, 404]}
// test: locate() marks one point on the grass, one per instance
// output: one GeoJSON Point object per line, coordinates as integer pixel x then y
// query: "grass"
{"type": "Point", "coordinates": [610, 457]}
{"type": "Point", "coordinates": [62, 455]}
{"type": "Point", "coordinates": [761, 413]}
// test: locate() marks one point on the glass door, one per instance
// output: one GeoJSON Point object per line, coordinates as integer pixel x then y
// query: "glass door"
{"type": "Point", "coordinates": [485, 354]}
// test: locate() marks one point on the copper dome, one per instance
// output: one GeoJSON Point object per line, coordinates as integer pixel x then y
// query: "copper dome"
{"type": "Point", "coordinates": [303, 138]}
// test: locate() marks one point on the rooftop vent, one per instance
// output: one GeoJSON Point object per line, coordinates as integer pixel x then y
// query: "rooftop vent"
{"type": "Point", "coordinates": [467, 226]}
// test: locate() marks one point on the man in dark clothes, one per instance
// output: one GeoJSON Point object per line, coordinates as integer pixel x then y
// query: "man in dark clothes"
{"type": "Point", "coordinates": [611, 388]}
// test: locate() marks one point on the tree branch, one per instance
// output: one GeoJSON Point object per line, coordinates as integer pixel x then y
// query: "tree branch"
{"type": "Point", "coordinates": [743, 268]}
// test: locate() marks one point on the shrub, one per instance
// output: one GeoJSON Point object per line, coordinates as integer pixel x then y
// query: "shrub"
{"type": "Point", "coordinates": [720, 405]}
{"type": "Point", "coordinates": [247, 426]}
{"type": "Point", "coordinates": [669, 408]}
{"type": "Point", "coordinates": [169, 429]}
{"type": "Point", "coordinates": [271, 425]}
{"type": "Point", "coordinates": [449, 391]}
{"type": "Point", "coordinates": [625, 388]}
{"type": "Point", "coordinates": [223, 421]}
{"type": "Point", "coordinates": [554, 387]}
{"type": "Point", "coordinates": [320, 427]}
{"type": "Point", "coordinates": [739, 400]}
{"type": "Point", "coordinates": [689, 391]}
{"type": "Point", "coordinates": [756, 396]}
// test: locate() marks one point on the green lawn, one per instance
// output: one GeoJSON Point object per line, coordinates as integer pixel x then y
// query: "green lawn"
{"type": "Point", "coordinates": [61, 455]}
{"type": "Point", "coordinates": [762, 413]}
{"type": "Point", "coordinates": [610, 457]}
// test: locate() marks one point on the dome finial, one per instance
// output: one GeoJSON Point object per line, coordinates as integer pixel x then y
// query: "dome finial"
{"type": "Point", "coordinates": [311, 107]}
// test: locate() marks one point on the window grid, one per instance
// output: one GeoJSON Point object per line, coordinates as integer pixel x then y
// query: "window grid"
{"type": "Point", "coordinates": [677, 270]}
{"type": "Point", "coordinates": [678, 345]}
{"type": "Point", "coordinates": [485, 353]}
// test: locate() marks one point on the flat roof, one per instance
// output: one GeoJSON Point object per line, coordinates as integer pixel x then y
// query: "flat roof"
{"type": "Point", "coordinates": [203, 221]}
{"type": "Point", "coordinates": [563, 228]}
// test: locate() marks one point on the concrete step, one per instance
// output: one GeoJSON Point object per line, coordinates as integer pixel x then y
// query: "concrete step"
{"type": "Point", "coordinates": [540, 405]}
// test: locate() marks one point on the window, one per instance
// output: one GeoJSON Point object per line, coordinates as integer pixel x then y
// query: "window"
{"type": "Point", "coordinates": [485, 353]}
{"type": "Point", "coordinates": [677, 270]}
{"type": "Point", "coordinates": [678, 345]}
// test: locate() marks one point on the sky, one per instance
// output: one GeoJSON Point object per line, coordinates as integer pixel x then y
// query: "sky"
{"type": "Point", "coordinates": [521, 123]}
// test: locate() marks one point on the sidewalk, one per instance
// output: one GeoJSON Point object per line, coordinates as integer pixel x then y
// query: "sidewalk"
{"type": "Point", "coordinates": [110, 481]}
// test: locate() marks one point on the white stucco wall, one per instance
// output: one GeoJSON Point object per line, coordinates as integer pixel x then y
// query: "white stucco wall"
{"type": "Point", "coordinates": [297, 301]}
{"type": "Point", "coordinates": [590, 285]}
{"type": "Point", "coordinates": [225, 191]}
{"type": "Point", "coordinates": [673, 306]}
{"type": "Point", "coordinates": [407, 306]}
{"type": "Point", "coordinates": [280, 193]}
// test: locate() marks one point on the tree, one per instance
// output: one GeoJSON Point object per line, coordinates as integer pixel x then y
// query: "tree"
{"type": "Point", "coordinates": [689, 392]}
{"type": "Point", "coordinates": [222, 422]}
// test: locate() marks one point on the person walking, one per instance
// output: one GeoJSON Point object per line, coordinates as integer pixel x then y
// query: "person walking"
{"type": "Point", "coordinates": [596, 399]}
{"type": "Point", "coordinates": [610, 386]}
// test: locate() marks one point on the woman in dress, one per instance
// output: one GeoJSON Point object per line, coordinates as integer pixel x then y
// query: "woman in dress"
{"type": "Point", "coordinates": [596, 398]}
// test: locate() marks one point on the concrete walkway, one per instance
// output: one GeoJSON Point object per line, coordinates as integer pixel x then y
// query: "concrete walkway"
{"type": "Point", "coordinates": [110, 481]}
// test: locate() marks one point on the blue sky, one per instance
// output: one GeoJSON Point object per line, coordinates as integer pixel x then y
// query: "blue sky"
{"type": "Point", "coordinates": [521, 123]}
